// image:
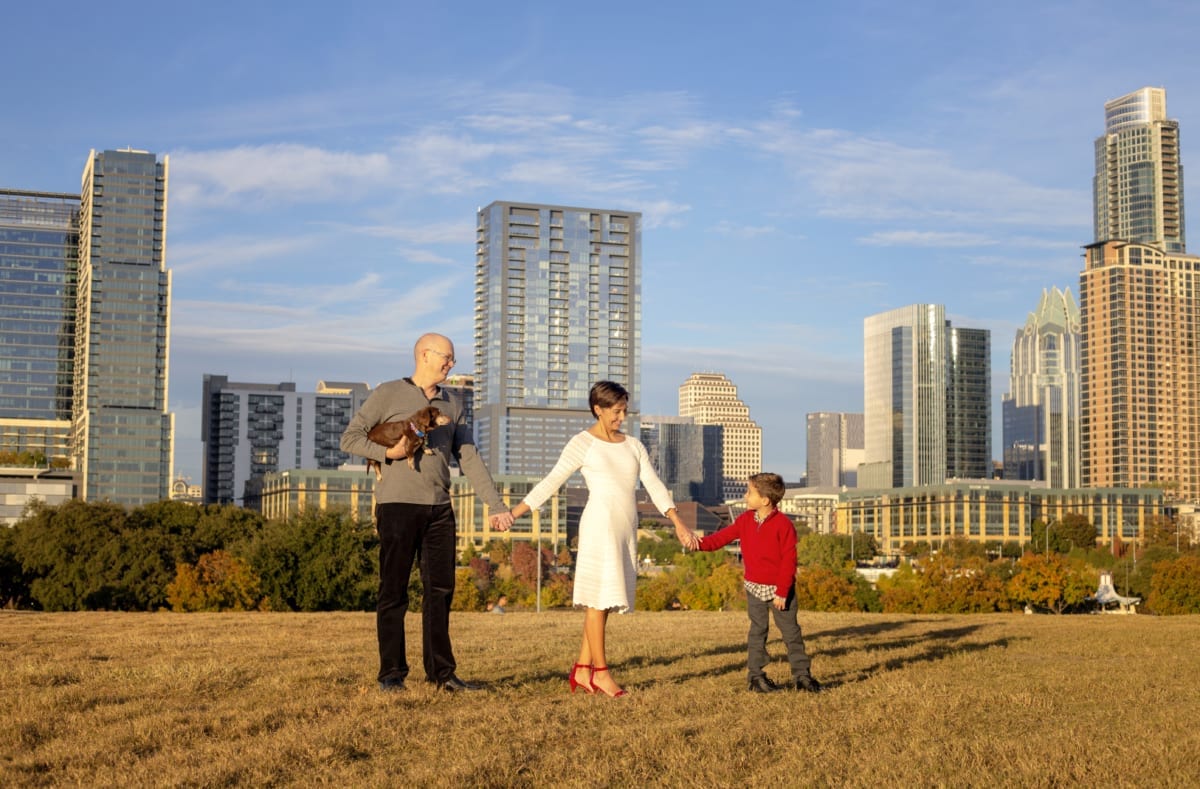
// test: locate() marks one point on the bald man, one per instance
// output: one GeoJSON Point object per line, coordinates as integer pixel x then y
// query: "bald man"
{"type": "Point", "coordinates": [413, 513]}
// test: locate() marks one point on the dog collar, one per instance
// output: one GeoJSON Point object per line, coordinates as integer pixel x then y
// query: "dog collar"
{"type": "Point", "coordinates": [416, 430]}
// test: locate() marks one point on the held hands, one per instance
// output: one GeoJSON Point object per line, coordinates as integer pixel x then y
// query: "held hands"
{"type": "Point", "coordinates": [502, 521]}
{"type": "Point", "coordinates": [687, 538]}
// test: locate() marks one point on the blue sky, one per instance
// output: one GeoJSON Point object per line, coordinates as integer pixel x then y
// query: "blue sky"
{"type": "Point", "coordinates": [798, 168]}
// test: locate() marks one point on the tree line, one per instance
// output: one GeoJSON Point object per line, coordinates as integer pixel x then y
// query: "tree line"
{"type": "Point", "coordinates": [168, 555]}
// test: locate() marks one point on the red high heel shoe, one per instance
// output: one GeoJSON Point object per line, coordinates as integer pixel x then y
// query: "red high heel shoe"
{"type": "Point", "coordinates": [596, 670]}
{"type": "Point", "coordinates": [588, 687]}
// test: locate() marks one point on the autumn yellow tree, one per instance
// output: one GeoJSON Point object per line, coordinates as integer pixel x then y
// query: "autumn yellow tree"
{"type": "Point", "coordinates": [1175, 586]}
{"type": "Point", "coordinates": [1053, 582]}
{"type": "Point", "coordinates": [466, 594]}
{"type": "Point", "coordinates": [822, 589]}
{"type": "Point", "coordinates": [219, 581]}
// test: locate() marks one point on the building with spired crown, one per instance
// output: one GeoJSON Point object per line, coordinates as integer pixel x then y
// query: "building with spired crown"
{"type": "Point", "coordinates": [1041, 408]}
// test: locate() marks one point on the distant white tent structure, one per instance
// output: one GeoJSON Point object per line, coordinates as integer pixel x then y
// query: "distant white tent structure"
{"type": "Point", "coordinates": [1106, 596]}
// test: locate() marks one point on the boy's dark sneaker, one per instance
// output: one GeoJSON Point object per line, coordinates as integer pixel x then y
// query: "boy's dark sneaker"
{"type": "Point", "coordinates": [763, 684]}
{"type": "Point", "coordinates": [807, 685]}
{"type": "Point", "coordinates": [391, 684]}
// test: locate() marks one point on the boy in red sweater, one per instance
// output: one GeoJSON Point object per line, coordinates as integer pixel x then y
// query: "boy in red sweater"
{"type": "Point", "coordinates": [769, 557]}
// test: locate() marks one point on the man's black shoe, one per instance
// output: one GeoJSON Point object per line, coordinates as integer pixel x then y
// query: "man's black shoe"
{"type": "Point", "coordinates": [391, 684]}
{"type": "Point", "coordinates": [807, 685]}
{"type": "Point", "coordinates": [456, 685]}
{"type": "Point", "coordinates": [763, 684]}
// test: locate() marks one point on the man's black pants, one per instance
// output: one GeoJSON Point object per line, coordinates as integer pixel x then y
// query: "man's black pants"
{"type": "Point", "coordinates": [406, 532]}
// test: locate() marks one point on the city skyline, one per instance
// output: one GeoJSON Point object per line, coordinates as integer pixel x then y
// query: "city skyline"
{"type": "Point", "coordinates": [796, 169]}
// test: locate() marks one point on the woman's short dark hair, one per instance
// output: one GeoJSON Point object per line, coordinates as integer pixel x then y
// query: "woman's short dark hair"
{"type": "Point", "coordinates": [606, 394]}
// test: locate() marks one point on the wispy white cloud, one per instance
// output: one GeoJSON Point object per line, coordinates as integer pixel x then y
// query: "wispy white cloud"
{"type": "Point", "coordinates": [284, 171]}
{"type": "Point", "coordinates": [425, 256]}
{"type": "Point", "coordinates": [727, 228]}
{"type": "Point", "coordinates": [925, 238]}
{"type": "Point", "coordinates": [190, 257]}
{"type": "Point", "coordinates": [856, 177]}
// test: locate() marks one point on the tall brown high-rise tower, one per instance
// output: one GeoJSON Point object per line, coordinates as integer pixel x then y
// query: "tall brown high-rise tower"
{"type": "Point", "coordinates": [1140, 381]}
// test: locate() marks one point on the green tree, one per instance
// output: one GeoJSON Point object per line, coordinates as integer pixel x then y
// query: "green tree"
{"type": "Point", "coordinates": [831, 551]}
{"type": "Point", "coordinates": [14, 583]}
{"type": "Point", "coordinates": [1073, 529]}
{"type": "Point", "coordinates": [1175, 586]}
{"type": "Point", "coordinates": [1164, 532]}
{"type": "Point", "coordinates": [316, 560]}
{"type": "Point", "coordinates": [67, 551]}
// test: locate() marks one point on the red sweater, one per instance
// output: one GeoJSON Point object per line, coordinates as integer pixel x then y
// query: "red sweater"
{"type": "Point", "coordinates": [768, 549]}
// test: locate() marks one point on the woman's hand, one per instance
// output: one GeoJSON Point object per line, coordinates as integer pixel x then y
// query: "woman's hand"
{"type": "Point", "coordinates": [687, 538]}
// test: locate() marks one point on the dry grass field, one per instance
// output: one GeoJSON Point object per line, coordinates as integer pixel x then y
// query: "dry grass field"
{"type": "Point", "coordinates": [108, 699]}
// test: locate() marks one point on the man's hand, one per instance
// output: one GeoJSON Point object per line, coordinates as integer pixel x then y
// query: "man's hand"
{"type": "Point", "coordinates": [400, 450]}
{"type": "Point", "coordinates": [780, 603]}
{"type": "Point", "coordinates": [502, 521]}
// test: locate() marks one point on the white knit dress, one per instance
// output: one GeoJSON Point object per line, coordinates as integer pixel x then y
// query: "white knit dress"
{"type": "Point", "coordinates": [606, 564]}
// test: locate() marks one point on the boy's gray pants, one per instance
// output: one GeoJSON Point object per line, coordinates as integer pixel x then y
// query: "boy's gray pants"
{"type": "Point", "coordinates": [789, 628]}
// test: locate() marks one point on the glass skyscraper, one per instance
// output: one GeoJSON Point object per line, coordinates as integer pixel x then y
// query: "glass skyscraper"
{"type": "Point", "coordinates": [927, 404]}
{"type": "Point", "coordinates": [1138, 187]}
{"type": "Point", "coordinates": [122, 432]}
{"type": "Point", "coordinates": [1041, 409]}
{"type": "Point", "coordinates": [39, 258]}
{"type": "Point", "coordinates": [687, 457]}
{"type": "Point", "coordinates": [557, 308]}
{"type": "Point", "coordinates": [968, 403]}
{"type": "Point", "coordinates": [834, 448]}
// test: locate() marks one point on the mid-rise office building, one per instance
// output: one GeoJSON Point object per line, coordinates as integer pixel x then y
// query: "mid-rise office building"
{"type": "Point", "coordinates": [1041, 408]}
{"type": "Point", "coordinates": [991, 512]}
{"type": "Point", "coordinates": [1140, 380]}
{"type": "Point", "coordinates": [249, 430]}
{"type": "Point", "coordinates": [687, 457]}
{"type": "Point", "coordinates": [926, 391]}
{"type": "Point", "coordinates": [712, 399]}
{"type": "Point", "coordinates": [834, 449]}
{"type": "Point", "coordinates": [39, 258]}
{"type": "Point", "coordinates": [122, 433]}
{"type": "Point", "coordinates": [557, 308]}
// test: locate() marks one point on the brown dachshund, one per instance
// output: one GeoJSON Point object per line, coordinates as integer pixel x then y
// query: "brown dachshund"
{"type": "Point", "coordinates": [414, 428]}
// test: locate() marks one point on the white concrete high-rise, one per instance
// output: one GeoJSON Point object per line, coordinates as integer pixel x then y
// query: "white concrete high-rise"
{"type": "Point", "coordinates": [712, 399]}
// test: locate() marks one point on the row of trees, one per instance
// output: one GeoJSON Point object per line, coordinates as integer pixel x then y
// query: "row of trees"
{"type": "Point", "coordinates": [85, 556]}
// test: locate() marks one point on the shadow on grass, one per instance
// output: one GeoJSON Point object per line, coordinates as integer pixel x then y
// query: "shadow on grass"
{"type": "Point", "coordinates": [931, 646]}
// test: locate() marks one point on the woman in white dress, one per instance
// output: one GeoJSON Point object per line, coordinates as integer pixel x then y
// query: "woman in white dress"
{"type": "Point", "coordinates": [606, 565]}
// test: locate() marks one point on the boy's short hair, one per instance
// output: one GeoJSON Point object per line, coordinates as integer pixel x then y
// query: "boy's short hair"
{"type": "Point", "coordinates": [606, 394]}
{"type": "Point", "coordinates": [769, 485]}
